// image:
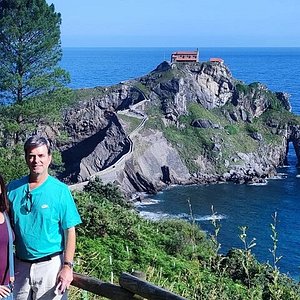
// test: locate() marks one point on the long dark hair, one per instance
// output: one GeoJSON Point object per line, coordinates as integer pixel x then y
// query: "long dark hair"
{"type": "Point", "coordinates": [3, 196]}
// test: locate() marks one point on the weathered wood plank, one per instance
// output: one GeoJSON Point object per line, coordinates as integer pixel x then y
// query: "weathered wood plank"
{"type": "Point", "coordinates": [146, 289]}
{"type": "Point", "coordinates": [101, 288]}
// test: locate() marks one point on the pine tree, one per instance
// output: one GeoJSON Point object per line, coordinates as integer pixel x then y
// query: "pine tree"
{"type": "Point", "coordinates": [30, 50]}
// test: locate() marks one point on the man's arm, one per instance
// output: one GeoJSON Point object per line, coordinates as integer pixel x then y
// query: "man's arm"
{"type": "Point", "coordinates": [65, 276]}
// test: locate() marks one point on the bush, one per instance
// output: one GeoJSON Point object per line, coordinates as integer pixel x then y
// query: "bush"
{"type": "Point", "coordinates": [174, 254]}
{"type": "Point", "coordinates": [96, 189]}
{"type": "Point", "coordinates": [231, 129]}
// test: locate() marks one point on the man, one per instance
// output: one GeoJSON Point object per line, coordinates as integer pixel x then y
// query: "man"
{"type": "Point", "coordinates": [45, 217]}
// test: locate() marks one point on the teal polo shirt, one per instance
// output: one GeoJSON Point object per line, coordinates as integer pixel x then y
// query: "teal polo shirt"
{"type": "Point", "coordinates": [39, 224]}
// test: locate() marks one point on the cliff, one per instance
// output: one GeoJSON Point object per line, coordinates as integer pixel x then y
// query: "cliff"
{"type": "Point", "coordinates": [180, 124]}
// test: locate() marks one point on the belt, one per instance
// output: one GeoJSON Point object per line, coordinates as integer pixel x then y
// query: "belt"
{"type": "Point", "coordinates": [41, 259]}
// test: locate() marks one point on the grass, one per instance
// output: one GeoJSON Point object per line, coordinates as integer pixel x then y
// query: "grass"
{"type": "Point", "coordinates": [174, 254]}
{"type": "Point", "coordinates": [131, 123]}
{"type": "Point", "coordinates": [232, 138]}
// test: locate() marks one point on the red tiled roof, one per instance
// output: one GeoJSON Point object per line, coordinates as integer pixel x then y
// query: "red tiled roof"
{"type": "Point", "coordinates": [216, 59]}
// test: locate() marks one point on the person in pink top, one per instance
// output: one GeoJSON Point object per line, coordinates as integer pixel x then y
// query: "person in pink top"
{"type": "Point", "coordinates": [6, 280]}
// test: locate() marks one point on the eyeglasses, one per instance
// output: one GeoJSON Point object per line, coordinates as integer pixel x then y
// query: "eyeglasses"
{"type": "Point", "coordinates": [28, 202]}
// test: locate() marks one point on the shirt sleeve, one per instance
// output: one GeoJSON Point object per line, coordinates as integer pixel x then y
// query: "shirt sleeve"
{"type": "Point", "coordinates": [70, 215]}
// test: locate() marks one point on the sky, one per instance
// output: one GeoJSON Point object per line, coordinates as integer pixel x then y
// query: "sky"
{"type": "Point", "coordinates": [174, 23]}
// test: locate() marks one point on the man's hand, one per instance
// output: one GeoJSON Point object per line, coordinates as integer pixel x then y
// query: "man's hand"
{"type": "Point", "coordinates": [4, 291]}
{"type": "Point", "coordinates": [65, 277]}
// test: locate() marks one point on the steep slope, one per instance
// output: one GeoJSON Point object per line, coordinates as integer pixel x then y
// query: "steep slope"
{"type": "Point", "coordinates": [182, 123]}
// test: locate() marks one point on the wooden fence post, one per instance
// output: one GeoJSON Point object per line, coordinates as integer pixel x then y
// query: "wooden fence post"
{"type": "Point", "coordinates": [145, 289]}
{"type": "Point", "coordinates": [142, 276]}
{"type": "Point", "coordinates": [101, 288]}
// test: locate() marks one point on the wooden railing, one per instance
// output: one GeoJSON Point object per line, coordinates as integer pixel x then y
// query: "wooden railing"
{"type": "Point", "coordinates": [131, 287]}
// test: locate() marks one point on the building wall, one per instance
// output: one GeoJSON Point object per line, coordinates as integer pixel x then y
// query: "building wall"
{"type": "Point", "coordinates": [184, 56]}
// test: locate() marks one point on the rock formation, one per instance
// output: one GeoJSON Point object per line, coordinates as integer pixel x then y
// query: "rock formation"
{"type": "Point", "coordinates": [242, 137]}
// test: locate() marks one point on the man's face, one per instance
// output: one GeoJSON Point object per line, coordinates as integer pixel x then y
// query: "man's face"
{"type": "Point", "coordinates": [38, 160]}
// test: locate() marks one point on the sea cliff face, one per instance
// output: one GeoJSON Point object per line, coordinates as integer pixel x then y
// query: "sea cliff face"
{"type": "Point", "coordinates": [180, 124]}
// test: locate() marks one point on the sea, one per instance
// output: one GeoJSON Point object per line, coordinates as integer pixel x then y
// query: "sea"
{"type": "Point", "coordinates": [233, 206]}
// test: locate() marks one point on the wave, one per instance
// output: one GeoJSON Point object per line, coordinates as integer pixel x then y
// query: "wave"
{"type": "Point", "coordinates": [258, 183]}
{"type": "Point", "coordinates": [282, 175]}
{"type": "Point", "coordinates": [199, 218]}
{"type": "Point", "coordinates": [211, 217]}
{"type": "Point", "coordinates": [277, 178]}
{"type": "Point", "coordinates": [154, 216]}
{"type": "Point", "coordinates": [146, 202]}
{"type": "Point", "coordinates": [184, 216]}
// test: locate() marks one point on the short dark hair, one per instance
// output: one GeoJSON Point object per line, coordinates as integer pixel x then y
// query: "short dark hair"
{"type": "Point", "coordinates": [3, 197]}
{"type": "Point", "coordinates": [37, 141]}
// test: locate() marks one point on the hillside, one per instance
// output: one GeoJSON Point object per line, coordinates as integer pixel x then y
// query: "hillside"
{"type": "Point", "coordinates": [174, 254]}
{"type": "Point", "coordinates": [182, 123]}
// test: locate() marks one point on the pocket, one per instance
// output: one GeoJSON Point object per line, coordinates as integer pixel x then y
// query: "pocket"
{"type": "Point", "coordinates": [45, 211]}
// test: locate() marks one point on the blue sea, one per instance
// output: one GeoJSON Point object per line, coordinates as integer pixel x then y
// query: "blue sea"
{"type": "Point", "coordinates": [234, 205]}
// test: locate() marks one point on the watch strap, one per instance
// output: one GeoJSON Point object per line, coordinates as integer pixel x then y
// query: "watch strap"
{"type": "Point", "coordinates": [69, 264]}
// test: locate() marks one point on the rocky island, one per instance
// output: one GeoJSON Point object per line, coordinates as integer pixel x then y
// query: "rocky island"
{"type": "Point", "coordinates": [182, 123]}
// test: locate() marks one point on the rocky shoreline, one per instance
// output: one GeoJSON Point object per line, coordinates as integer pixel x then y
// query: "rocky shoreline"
{"type": "Point", "coordinates": [180, 124]}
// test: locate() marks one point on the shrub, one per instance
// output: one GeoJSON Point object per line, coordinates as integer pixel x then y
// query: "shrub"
{"type": "Point", "coordinates": [231, 129]}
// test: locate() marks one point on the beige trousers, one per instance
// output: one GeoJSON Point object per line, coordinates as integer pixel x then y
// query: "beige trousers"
{"type": "Point", "coordinates": [37, 280]}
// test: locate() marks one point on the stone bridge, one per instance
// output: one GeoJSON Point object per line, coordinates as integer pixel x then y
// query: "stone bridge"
{"type": "Point", "coordinates": [293, 136]}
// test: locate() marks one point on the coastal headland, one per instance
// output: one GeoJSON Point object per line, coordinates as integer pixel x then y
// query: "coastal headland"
{"type": "Point", "coordinates": [183, 123]}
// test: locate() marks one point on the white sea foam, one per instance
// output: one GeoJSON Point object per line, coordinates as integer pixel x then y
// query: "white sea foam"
{"type": "Point", "coordinates": [258, 183]}
{"type": "Point", "coordinates": [146, 202]}
{"type": "Point", "coordinates": [279, 176]}
{"type": "Point", "coordinates": [154, 216]}
{"type": "Point", "coordinates": [159, 216]}
{"type": "Point", "coordinates": [276, 178]}
{"type": "Point", "coordinates": [211, 217]}
{"type": "Point", "coordinates": [282, 175]}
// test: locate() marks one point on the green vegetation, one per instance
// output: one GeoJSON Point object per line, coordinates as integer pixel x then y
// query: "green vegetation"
{"type": "Point", "coordinates": [232, 129]}
{"type": "Point", "coordinates": [279, 118]}
{"type": "Point", "coordinates": [174, 254]}
{"type": "Point", "coordinates": [113, 238]}
{"type": "Point", "coordinates": [29, 50]}
{"type": "Point", "coordinates": [12, 162]}
{"type": "Point", "coordinates": [255, 89]}
{"type": "Point", "coordinates": [155, 117]}
{"type": "Point", "coordinates": [164, 76]}
{"type": "Point", "coordinates": [20, 119]}
{"type": "Point", "coordinates": [89, 93]}
{"type": "Point", "coordinates": [231, 134]}
{"type": "Point", "coordinates": [32, 85]}
{"type": "Point", "coordinates": [251, 128]}
{"type": "Point", "coordinates": [143, 88]}
{"type": "Point", "coordinates": [245, 88]}
{"type": "Point", "coordinates": [192, 142]}
{"type": "Point", "coordinates": [131, 122]}
{"type": "Point", "coordinates": [197, 111]}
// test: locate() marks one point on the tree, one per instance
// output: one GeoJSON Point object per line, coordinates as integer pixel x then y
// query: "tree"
{"type": "Point", "coordinates": [30, 50]}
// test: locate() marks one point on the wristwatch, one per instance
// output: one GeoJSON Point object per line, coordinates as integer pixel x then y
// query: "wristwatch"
{"type": "Point", "coordinates": [69, 264]}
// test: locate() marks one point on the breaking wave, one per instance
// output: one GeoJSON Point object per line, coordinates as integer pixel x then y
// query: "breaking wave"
{"type": "Point", "coordinates": [160, 216]}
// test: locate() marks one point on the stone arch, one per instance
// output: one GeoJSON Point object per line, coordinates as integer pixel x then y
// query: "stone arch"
{"type": "Point", "coordinates": [294, 138]}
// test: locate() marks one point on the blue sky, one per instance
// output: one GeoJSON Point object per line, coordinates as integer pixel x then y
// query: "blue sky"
{"type": "Point", "coordinates": [174, 23]}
